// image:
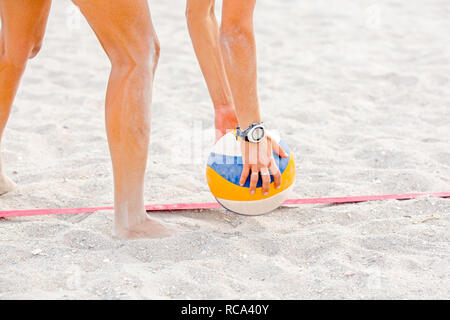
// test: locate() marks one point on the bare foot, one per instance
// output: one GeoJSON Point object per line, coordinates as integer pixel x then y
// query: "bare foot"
{"type": "Point", "coordinates": [147, 228]}
{"type": "Point", "coordinates": [225, 119]}
{"type": "Point", "coordinates": [6, 185]}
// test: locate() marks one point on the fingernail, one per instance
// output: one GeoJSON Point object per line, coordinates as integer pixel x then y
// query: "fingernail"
{"type": "Point", "coordinates": [241, 184]}
{"type": "Point", "coordinates": [265, 193]}
{"type": "Point", "coordinates": [277, 187]}
{"type": "Point", "coordinates": [252, 192]}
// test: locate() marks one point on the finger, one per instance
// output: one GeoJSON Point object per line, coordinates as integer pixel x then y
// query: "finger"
{"type": "Point", "coordinates": [244, 174]}
{"type": "Point", "coordinates": [276, 174]}
{"type": "Point", "coordinates": [278, 149]}
{"type": "Point", "coordinates": [254, 179]}
{"type": "Point", "coordinates": [265, 177]}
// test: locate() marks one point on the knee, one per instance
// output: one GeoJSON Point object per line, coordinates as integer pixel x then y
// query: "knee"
{"type": "Point", "coordinates": [35, 50]}
{"type": "Point", "coordinates": [14, 59]}
{"type": "Point", "coordinates": [238, 20]}
{"type": "Point", "coordinates": [18, 53]}
{"type": "Point", "coordinates": [233, 27]}
{"type": "Point", "coordinates": [156, 50]}
{"type": "Point", "coordinates": [143, 57]}
{"type": "Point", "coordinates": [152, 53]}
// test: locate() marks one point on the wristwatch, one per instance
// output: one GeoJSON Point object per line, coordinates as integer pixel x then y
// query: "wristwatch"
{"type": "Point", "coordinates": [255, 133]}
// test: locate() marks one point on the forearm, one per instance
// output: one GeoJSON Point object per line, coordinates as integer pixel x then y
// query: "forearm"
{"type": "Point", "coordinates": [239, 51]}
{"type": "Point", "coordinates": [204, 32]}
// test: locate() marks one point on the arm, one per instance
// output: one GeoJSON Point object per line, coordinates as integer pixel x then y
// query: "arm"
{"type": "Point", "coordinates": [239, 50]}
{"type": "Point", "coordinates": [238, 45]}
{"type": "Point", "coordinates": [204, 32]}
{"type": "Point", "coordinates": [228, 62]}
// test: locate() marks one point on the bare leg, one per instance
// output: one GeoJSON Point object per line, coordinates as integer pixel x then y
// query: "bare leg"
{"type": "Point", "coordinates": [204, 32]}
{"type": "Point", "coordinates": [125, 31]}
{"type": "Point", "coordinates": [239, 51]}
{"type": "Point", "coordinates": [23, 28]}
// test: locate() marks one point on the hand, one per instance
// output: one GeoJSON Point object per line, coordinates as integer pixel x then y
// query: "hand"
{"type": "Point", "coordinates": [258, 158]}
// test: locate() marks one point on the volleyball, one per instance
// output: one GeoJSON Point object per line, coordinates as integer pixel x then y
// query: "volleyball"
{"type": "Point", "coordinates": [223, 172]}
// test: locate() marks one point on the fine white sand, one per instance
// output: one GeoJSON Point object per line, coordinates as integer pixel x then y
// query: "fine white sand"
{"type": "Point", "coordinates": [359, 89]}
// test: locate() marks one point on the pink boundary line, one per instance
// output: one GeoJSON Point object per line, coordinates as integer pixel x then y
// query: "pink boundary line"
{"type": "Point", "coordinates": [210, 205]}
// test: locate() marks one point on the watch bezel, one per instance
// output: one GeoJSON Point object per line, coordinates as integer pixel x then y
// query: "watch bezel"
{"type": "Point", "coordinates": [249, 134]}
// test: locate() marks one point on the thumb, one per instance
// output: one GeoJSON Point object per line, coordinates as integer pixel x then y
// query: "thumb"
{"type": "Point", "coordinates": [277, 148]}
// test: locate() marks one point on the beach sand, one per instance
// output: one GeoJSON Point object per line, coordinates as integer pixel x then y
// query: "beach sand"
{"type": "Point", "coordinates": [359, 89]}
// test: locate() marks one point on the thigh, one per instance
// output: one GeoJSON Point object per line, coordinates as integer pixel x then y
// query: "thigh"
{"type": "Point", "coordinates": [123, 27]}
{"type": "Point", "coordinates": [23, 25]}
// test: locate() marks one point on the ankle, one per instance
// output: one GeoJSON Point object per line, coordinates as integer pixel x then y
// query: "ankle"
{"type": "Point", "coordinates": [126, 216]}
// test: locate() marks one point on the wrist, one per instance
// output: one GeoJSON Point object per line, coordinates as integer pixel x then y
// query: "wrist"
{"type": "Point", "coordinates": [250, 117]}
{"type": "Point", "coordinates": [255, 133]}
{"type": "Point", "coordinates": [245, 124]}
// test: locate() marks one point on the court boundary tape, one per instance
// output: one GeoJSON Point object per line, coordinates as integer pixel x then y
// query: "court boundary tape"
{"type": "Point", "coordinates": [215, 205]}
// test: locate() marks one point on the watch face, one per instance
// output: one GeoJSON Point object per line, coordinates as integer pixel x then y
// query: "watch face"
{"type": "Point", "coordinates": [258, 133]}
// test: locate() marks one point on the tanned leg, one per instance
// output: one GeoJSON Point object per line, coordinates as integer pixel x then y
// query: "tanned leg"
{"type": "Point", "coordinates": [204, 31]}
{"type": "Point", "coordinates": [23, 28]}
{"type": "Point", "coordinates": [125, 31]}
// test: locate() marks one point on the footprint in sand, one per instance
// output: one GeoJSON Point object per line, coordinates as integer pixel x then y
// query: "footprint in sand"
{"type": "Point", "coordinates": [81, 239]}
{"type": "Point", "coordinates": [48, 230]}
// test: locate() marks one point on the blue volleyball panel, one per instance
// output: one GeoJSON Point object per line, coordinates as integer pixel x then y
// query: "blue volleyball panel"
{"type": "Point", "coordinates": [230, 167]}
